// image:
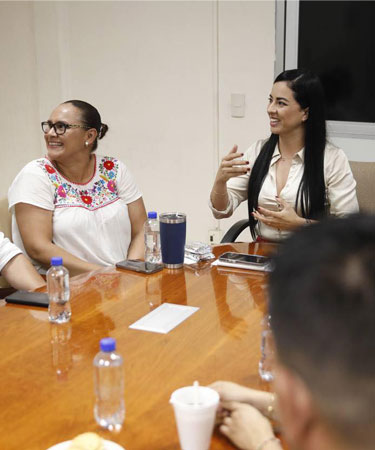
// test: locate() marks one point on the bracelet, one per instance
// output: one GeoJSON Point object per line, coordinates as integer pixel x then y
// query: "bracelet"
{"type": "Point", "coordinates": [218, 193]}
{"type": "Point", "coordinates": [265, 442]}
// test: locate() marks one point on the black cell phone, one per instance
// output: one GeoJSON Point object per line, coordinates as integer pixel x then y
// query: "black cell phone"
{"type": "Point", "coordinates": [28, 298]}
{"type": "Point", "coordinates": [243, 258]}
{"type": "Point", "coordinates": [139, 266]}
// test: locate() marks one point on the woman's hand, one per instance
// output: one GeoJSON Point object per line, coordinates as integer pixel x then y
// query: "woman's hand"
{"type": "Point", "coordinates": [231, 166]}
{"type": "Point", "coordinates": [233, 392]}
{"type": "Point", "coordinates": [247, 428]}
{"type": "Point", "coordinates": [285, 219]}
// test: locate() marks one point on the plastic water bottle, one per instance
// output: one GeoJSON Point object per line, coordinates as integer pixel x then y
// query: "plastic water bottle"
{"type": "Point", "coordinates": [109, 410]}
{"type": "Point", "coordinates": [58, 292]}
{"type": "Point", "coordinates": [152, 238]}
{"type": "Point", "coordinates": [267, 350]}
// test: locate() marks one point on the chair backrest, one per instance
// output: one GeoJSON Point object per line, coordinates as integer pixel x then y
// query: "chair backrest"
{"type": "Point", "coordinates": [5, 218]}
{"type": "Point", "coordinates": [364, 175]}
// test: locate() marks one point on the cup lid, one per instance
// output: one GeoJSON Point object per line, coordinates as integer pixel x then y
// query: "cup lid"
{"type": "Point", "coordinates": [172, 217]}
{"type": "Point", "coordinates": [185, 397]}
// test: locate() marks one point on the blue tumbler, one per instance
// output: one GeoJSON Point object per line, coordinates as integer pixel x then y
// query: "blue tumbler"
{"type": "Point", "coordinates": [172, 239]}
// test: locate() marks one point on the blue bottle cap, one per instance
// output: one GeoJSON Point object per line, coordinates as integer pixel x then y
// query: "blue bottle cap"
{"type": "Point", "coordinates": [152, 215]}
{"type": "Point", "coordinates": [56, 261]}
{"type": "Point", "coordinates": [107, 344]}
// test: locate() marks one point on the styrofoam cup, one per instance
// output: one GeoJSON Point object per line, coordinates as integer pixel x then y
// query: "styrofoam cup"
{"type": "Point", "coordinates": [195, 410]}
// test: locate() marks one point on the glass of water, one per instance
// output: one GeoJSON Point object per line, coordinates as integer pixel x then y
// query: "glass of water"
{"type": "Point", "coordinates": [267, 350]}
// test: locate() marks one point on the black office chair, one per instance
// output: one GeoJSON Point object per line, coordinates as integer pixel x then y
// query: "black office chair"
{"type": "Point", "coordinates": [234, 231]}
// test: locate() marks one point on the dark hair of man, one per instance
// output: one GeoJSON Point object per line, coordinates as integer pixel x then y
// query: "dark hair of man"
{"type": "Point", "coordinates": [91, 118]}
{"type": "Point", "coordinates": [322, 306]}
{"type": "Point", "coordinates": [308, 92]}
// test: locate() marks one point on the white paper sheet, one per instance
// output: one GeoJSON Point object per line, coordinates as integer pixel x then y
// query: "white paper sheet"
{"type": "Point", "coordinates": [164, 318]}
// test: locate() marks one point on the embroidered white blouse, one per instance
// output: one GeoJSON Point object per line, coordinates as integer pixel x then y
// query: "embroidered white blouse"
{"type": "Point", "coordinates": [339, 182]}
{"type": "Point", "coordinates": [91, 220]}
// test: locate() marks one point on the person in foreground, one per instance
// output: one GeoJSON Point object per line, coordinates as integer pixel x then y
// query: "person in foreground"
{"type": "Point", "coordinates": [16, 268]}
{"type": "Point", "coordinates": [322, 306]}
{"type": "Point", "coordinates": [295, 176]}
{"type": "Point", "coordinates": [73, 203]}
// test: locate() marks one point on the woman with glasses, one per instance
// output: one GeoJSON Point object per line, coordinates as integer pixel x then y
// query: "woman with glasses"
{"type": "Point", "coordinates": [73, 203]}
{"type": "Point", "coordinates": [293, 177]}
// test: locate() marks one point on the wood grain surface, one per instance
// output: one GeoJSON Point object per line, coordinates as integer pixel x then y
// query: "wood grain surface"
{"type": "Point", "coordinates": [46, 369]}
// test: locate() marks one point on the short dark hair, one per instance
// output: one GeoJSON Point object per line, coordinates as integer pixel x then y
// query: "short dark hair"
{"type": "Point", "coordinates": [322, 306]}
{"type": "Point", "coordinates": [91, 118]}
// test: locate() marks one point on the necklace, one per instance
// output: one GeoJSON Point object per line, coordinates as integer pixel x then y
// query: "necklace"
{"type": "Point", "coordinates": [285, 159]}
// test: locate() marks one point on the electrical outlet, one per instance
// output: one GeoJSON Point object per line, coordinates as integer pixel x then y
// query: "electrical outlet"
{"type": "Point", "coordinates": [214, 236]}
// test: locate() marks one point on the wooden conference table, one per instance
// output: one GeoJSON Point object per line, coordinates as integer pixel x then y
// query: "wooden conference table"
{"type": "Point", "coordinates": [46, 393]}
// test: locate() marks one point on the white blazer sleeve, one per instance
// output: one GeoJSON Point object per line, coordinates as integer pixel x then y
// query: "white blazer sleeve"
{"type": "Point", "coordinates": [340, 183]}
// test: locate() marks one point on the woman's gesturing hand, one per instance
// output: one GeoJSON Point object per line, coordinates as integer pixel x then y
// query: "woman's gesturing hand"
{"type": "Point", "coordinates": [231, 166]}
{"type": "Point", "coordinates": [285, 219]}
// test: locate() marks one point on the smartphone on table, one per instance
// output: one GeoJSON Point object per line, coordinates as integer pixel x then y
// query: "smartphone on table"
{"type": "Point", "coordinates": [139, 266]}
{"type": "Point", "coordinates": [28, 298]}
{"type": "Point", "coordinates": [256, 262]}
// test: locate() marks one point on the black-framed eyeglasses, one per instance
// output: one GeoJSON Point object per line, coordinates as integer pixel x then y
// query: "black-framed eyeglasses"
{"type": "Point", "coordinates": [60, 127]}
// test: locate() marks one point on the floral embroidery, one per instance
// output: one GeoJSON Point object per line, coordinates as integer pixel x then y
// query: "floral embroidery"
{"type": "Point", "coordinates": [49, 168]}
{"type": "Point", "coordinates": [108, 165]}
{"type": "Point", "coordinates": [99, 192]}
{"type": "Point", "coordinates": [111, 186]}
{"type": "Point", "coordinates": [61, 191]}
{"type": "Point", "coordinates": [86, 199]}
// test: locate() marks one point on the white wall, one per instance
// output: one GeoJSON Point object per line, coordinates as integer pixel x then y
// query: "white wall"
{"type": "Point", "coordinates": [245, 62]}
{"type": "Point", "coordinates": [152, 80]}
{"type": "Point", "coordinates": [160, 73]}
{"type": "Point", "coordinates": [19, 128]}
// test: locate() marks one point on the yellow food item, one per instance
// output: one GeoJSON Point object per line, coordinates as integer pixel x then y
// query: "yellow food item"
{"type": "Point", "coordinates": [87, 441]}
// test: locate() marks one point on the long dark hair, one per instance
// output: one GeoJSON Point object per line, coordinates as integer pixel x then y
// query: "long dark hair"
{"type": "Point", "coordinates": [311, 196]}
{"type": "Point", "coordinates": [91, 118]}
